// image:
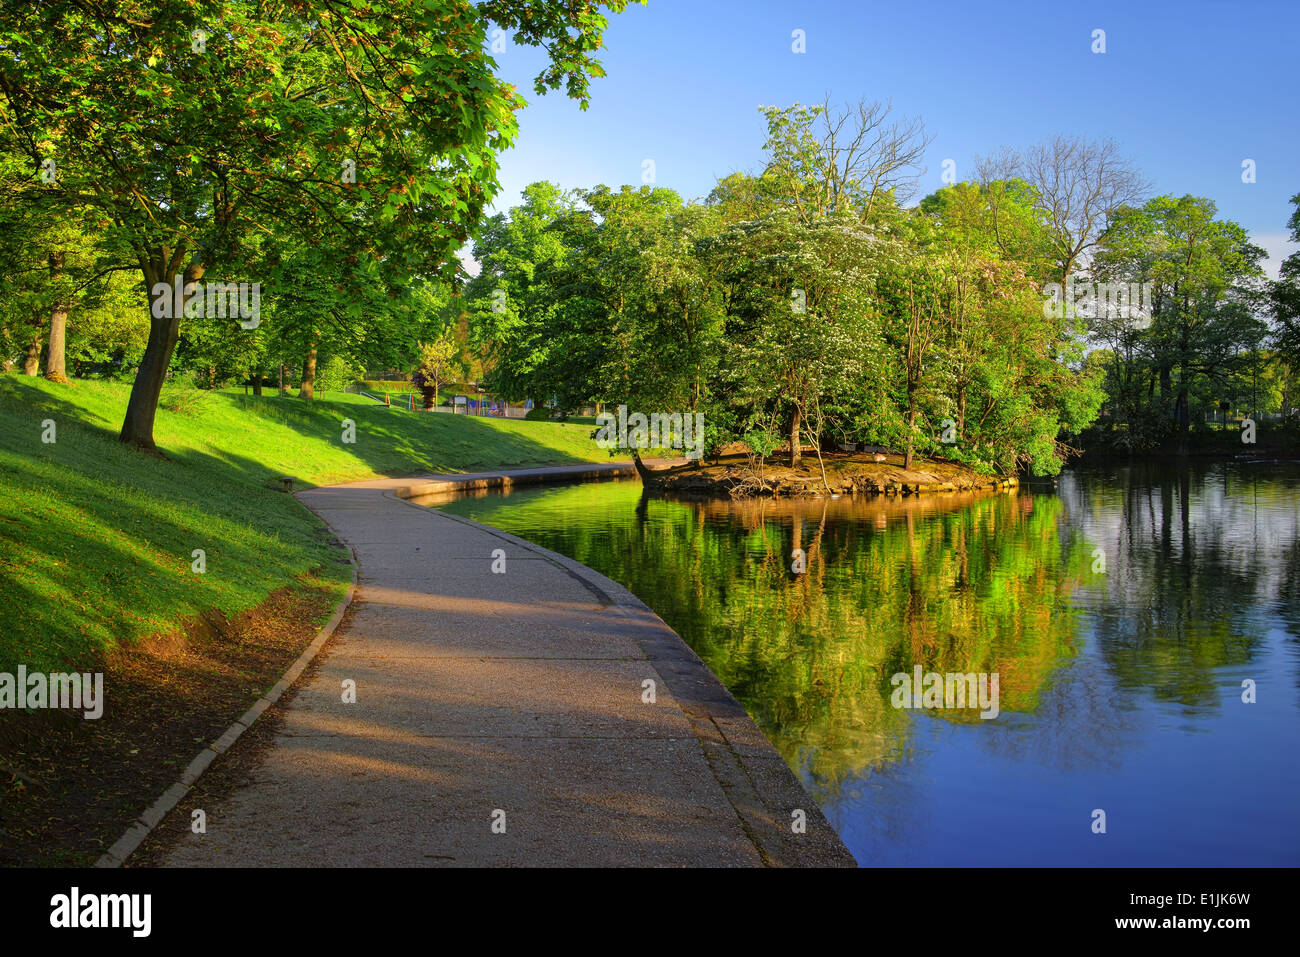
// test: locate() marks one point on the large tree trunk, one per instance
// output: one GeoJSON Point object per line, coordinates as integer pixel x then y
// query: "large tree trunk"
{"type": "Point", "coordinates": [137, 428]}
{"type": "Point", "coordinates": [796, 423]}
{"type": "Point", "coordinates": [32, 360]}
{"type": "Point", "coordinates": [55, 369]}
{"type": "Point", "coordinates": [257, 383]}
{"type": "Point", "coordinates": [308, 390]}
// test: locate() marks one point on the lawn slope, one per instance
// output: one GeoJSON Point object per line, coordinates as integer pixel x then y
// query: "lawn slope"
{"type": "Point", "coordinates": [97, 542]}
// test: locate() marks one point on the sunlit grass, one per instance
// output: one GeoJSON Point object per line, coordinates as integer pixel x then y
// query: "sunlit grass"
{"type": "Point", "coordinates": [97, 540]}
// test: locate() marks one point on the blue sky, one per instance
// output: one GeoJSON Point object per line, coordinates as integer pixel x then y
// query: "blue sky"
{"type": "Point", "coordinates": [1188, 89]}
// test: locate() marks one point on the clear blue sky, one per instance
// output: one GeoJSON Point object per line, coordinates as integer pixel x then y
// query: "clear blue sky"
{"type": "Point", "coordinates": [1188, 89]}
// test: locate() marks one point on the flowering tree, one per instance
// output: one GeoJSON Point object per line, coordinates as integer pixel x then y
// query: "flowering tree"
{"type": "Point", "coordinates": [435, 365]}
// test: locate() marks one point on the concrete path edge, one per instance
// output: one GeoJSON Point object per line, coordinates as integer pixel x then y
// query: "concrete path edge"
{"type": "Point", "coordinates": [432, 487]}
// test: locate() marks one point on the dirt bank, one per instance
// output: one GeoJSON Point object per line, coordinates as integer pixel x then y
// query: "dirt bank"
{"type": "Point", "coordinates": [846, 474]}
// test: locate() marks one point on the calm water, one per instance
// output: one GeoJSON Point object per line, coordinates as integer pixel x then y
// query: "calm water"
{"type": "Point", "coordinates": [1120, 689]}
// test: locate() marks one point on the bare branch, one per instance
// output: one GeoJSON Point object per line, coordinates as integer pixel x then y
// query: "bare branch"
{"type": "Point", "coordinates": [1081, 183]}
{"type": "Point", "coordinates": [873, 156]}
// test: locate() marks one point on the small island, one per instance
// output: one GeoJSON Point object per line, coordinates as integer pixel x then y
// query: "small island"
{"type": "Point", "coordinates": [845, 473]}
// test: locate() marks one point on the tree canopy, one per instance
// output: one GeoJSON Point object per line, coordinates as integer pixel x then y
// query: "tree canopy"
{"type": "Point", "coordinates": [223, 139]}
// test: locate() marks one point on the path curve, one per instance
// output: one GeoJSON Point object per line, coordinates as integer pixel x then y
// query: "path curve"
{"type": "Point", "coordinates": [502, 719]}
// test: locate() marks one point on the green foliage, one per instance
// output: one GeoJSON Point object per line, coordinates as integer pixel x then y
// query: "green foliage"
{"type": "Point", "coordinates": [335, 374]}
{"type": "Point", "coordinates": [886, 331]}
{"type": "Point", "coordinates": [434, 363]}
{"type": "Point", "coordinates": [183, 399]}
{"type": "Point", "coordinates": [1203, 338]}
{"type": "Point", "coordinates": [1285, 300]}
{"type": "Point", "coordinates": [596, 293]}
{"type": "Point", "coordinates": [338, 154]}
{"type": "Point", "coordinates": [761, 442]}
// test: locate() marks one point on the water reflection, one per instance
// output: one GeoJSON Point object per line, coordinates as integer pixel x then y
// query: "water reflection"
{"type": "Point", "coordinates": [1120, 611]}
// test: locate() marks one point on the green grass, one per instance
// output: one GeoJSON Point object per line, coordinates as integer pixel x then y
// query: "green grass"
{"type": "Point", "coordinates": [96, 539]}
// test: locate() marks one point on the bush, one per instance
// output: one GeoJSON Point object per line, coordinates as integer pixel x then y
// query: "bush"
{"type": "Point", "coordinates": [335, 374]}
{"type": "Point", "coordinates": [538, 413]}
{"type": "Point", "coordinates": [182, 398]}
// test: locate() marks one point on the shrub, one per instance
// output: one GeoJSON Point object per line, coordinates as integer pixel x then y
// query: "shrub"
{"type": "Point", "coordinates": [184, 399]}
{"type": "Point", "coordinates": [334, 374]}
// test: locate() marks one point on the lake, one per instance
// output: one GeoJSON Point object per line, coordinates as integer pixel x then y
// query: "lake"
{"type": "Point", "coordinates": [1126, 613]}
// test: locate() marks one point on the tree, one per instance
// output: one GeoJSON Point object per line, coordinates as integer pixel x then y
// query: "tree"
{"type": "Point", "coordinates": [501, 300]}
{"type": "Point", "coordinates": [335, 302]}
{"type": "Point", "coordinates": [799, 323]}
{"type": "Point", "coordinates": [1208, 293]}
{"type": "Point", "coordinates": [55, 264]}
{"type": "Point", "coordinates": [109, 330]}
{"type": "Point", "coordinates": [998, 219]}
{"type": "Point", "coordinates": [433, 369]}
{"type": "Point", "coordinates": [647, 310]}
{"type": "Point", "coordinates": [195, 125]}
{"type": "Point", "coordinates": [1079, 185]}
{"type": "Point", "coordinates": [825, 159]}
{"type": "Point", "coordinates": [598, 297]}
{"type": "Point", "coordinates": [919, 297]}
{"type": "Point", "coordinates": [803, 301]}
{"type": "Point", "coordinates": [1285, 296]}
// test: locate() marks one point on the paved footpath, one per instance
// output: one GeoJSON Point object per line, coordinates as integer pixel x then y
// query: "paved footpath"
{"type": "Point", "coordinates": [485, 699]}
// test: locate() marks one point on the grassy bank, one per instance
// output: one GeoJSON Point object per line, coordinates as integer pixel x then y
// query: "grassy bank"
{"type": "Point", "coordinates": [97, 541]}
